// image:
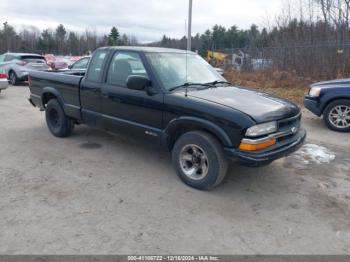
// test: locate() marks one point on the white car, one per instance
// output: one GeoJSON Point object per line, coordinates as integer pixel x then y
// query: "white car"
{"type": "Point", "coordinates": [3, 81]}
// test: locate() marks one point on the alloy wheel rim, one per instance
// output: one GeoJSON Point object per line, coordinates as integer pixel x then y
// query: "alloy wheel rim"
{"type": "Point", "coordinates": [194, 162]}
{"type": "Point", "coordinates": [339, 116]}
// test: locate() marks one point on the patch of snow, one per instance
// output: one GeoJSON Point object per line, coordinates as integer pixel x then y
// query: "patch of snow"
{"type": "Point", "coordinates": [311, 153]}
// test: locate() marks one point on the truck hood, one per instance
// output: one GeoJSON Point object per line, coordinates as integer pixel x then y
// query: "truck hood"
{"type": "Point", "coordinates": [261, 107]}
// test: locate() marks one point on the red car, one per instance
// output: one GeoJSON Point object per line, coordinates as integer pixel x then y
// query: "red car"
{"type": "Point", "coordinates": [60, 62]}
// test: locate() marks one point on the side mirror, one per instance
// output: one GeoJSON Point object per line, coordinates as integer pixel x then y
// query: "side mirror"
{"type": "Point", "coordinates": [70, 66]}
{"type": "Point", "coordinates": [136, 82]}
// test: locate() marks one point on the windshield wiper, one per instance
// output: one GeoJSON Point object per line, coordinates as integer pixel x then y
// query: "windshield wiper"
{"type": "Point", "coordinates": [190, 85]}
{"type": "Point", "coordinates": [218, 82]}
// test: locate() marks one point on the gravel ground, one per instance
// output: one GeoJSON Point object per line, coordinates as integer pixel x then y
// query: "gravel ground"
{"type": "Point", "coordinates": [98, 193]}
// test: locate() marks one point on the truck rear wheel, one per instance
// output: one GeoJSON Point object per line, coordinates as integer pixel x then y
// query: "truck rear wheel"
{"type": "Point", "coordinates": [58, 123]}
{"type": "Point", "coordinates": [199, 160]}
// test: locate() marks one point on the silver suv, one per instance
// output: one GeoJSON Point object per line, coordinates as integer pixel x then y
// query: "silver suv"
{"type": "Point", "coordinates": [17, 65]}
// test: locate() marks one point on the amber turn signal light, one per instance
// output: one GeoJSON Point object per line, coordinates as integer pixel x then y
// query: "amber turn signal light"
{"type": "Point", "coordinates": [259, 146]}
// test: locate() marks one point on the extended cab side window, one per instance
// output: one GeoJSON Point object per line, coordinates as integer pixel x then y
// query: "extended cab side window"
{"type": "Point", "coordinates": [122, 66]}
{"type": "Point", "coordinates": [95, 69]}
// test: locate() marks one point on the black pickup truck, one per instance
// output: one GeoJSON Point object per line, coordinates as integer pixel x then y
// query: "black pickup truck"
{"type": "Point", "coordinates": [332, 100]}
{"type": "Point", "coordinates": [174, 98]}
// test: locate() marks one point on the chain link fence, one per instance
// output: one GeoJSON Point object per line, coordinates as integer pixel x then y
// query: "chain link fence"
{"type": "Point", "coordinates": [319, 61]}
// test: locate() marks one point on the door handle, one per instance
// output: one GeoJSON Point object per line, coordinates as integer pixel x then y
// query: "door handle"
{"type": "Point", "coordinates": [96, 90]}
{"type": "Point", "coordinates": [115, 99]}
{"type": "Point", "coordinates": [112, 97]}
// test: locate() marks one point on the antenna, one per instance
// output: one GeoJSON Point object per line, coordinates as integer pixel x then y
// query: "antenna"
{"type": "Point", "coordinates": [189, 37]}
{"type": "Point", "coordinates": [189, 31]}
{"type": "Point", "coordinates": [186, 90]}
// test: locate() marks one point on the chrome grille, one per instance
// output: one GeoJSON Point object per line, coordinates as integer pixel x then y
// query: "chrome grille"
{"type": "Point", "coordinates": [289, 126]}
{"type": "Point", "coordinates": [289, 122]}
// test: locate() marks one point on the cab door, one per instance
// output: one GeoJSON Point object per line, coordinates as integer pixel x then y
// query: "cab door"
{"type": "Point", "coordinates": [90, 89]}
{"type": "Point", "coordinates": [134, 111]}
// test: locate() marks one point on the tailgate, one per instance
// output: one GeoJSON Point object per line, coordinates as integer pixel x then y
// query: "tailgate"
{"type": "Point", "coordinates": [63, 86]}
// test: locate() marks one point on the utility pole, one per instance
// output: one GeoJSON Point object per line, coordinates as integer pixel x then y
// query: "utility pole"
{"type": "Point", "coordinates": [189, 35]}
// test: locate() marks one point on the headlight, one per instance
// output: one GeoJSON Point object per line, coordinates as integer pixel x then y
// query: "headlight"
{"type": "Point", "coordinates": [315, 91]}
{"type": "Point", "coordinates": [262, 129]}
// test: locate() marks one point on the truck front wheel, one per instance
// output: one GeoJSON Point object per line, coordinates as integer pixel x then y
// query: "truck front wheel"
{"type": "Point", "coordinates": [199, 160]}
{"type": "Point", "coordinates": [58, 123]}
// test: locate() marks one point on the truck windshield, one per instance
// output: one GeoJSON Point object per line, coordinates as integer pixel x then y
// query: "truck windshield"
{"type": "Point", "coordinates": [176, 69]}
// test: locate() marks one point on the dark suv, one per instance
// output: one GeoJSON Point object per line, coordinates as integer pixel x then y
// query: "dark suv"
{"type": "Point", "coordinates": [332, 100]}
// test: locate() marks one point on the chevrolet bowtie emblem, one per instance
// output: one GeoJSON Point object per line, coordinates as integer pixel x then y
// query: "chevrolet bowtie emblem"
{"type": "Point", "coordinates": [294, 129]}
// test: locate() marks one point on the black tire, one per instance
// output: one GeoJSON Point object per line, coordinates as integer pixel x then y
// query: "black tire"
{"type": "Point", "coordinates": [215, 158]}
{"type": "Point", "coordinates": [13, 78]}
{"type": "Point", "coordinates": [58, 123]}
{"type": "Point", "coordinates": [327, 115]}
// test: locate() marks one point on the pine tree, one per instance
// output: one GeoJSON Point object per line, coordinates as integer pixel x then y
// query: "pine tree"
{"type": "Point", "coordinates": [60, 38]}
{"type": "Point", "coordinates": [113, 37]}
{"type": "Point", "coordinates": [45, 42]}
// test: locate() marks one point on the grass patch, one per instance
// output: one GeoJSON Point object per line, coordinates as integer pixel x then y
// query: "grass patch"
{"type": "Point", "coordinates": [283, 84]}
{"type": "Point", "coordinates": [296, 95]}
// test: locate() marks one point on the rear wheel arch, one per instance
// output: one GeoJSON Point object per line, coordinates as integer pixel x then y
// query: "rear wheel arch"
{"type": "Point", "coordinates": [46, 97]}
{"type": "Point", "coordinates": [51, 93]}
{"type": "Point", "coordinates": [181, 126]}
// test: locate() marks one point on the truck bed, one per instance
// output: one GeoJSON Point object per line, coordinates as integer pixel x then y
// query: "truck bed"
{"type": "Point", "coordinates": [64, 84]}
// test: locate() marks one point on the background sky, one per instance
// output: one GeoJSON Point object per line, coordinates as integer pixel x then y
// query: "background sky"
{"type": "Point", "coordinates": [148, 20]}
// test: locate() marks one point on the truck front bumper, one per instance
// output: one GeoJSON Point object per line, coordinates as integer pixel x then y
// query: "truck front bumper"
{"type": "Point", "coordinates": [266, 156]}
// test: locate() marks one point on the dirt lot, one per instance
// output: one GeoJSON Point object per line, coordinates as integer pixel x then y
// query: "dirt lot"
{"type": "Point", "coordinates": [100, 193]}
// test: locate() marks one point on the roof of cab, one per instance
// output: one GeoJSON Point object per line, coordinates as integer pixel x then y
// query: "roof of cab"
{"type": "Point", "coordinates": [147, 49]}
